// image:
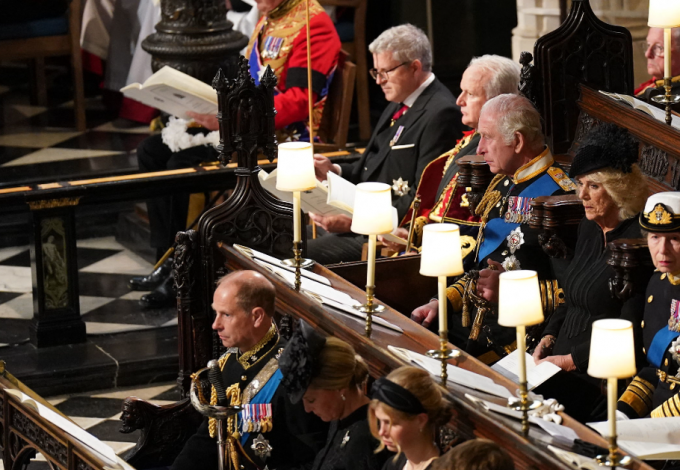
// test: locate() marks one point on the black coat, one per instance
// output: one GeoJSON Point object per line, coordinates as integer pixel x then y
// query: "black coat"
{"type": "Point", "coordinates": [586, 289]}
{"type": "Point", "coordinates": [295, 438]}
{"type": "Point", "coordinates": [350, 445]}
{"type": "Point", "coordinates": [432, 126]}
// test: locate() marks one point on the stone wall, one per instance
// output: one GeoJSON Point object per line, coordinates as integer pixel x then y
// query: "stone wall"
{"type": "Point", "coordinates": [538, 17]}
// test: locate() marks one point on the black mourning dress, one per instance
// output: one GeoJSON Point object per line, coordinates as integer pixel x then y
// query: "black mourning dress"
{"type": "Point", "coordinates": [350, 445]}
{"type": "Point", "coordinates": [399, 462]}
{"type": "Point", "coordinates": [587, 295]}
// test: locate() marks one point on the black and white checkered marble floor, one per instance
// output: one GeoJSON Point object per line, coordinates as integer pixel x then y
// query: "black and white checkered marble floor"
{"type": "Point", "coordinates": [106, 304]}
{"type": "Point", "coordinates": [99, 414]}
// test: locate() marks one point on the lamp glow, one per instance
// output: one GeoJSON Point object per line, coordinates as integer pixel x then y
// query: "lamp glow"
{"type": "Point", "coordinates": [372, 216]}
{"type": "Point", "coordinates": [519, 305]}
{"type": "Point", "coordinates": [441, 256]}
{"type": "Point", "coordinates": [612, 357]}
{"type": "Point", "coordinates": [664, 14]}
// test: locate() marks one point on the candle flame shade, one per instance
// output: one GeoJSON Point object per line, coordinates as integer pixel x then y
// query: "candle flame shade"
{"type": "Point", "coordinates": [612, 350]}
{"type": "Point", "coordinates": [519, 299]}
{"type": "Point", "coordinates": [664, 13]}
{"type": "Point", "coordinates": [441, 254]}
{"type": "Point", "coordinates": [295, 168]}
{"type": "Point", "coordinates": [372, 209]}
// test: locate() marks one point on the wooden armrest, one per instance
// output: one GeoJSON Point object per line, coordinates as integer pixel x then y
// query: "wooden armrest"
{"type": "Point", "coordinates": [557, 217]}
{"type": "Point", "coordinates": [625, 255]}
{"type": "Point", "coordinates": [474, 173]}
{"type": "Point", "coordinates": [165, 429]}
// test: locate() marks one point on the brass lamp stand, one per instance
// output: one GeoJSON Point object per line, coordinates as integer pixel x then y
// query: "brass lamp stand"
{"type": "Point", "coordinates": [665, 14]}
{"type": "Point", "coordinates": [441, 256]}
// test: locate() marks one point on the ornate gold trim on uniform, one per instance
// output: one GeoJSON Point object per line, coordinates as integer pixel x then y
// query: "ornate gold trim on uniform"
{"type": "Point", "coordinates": [638, 396]}
{"type": "Point", "coordinates": [552, 295]}
{"type": "Point", "coordinates": [243, 360]}
{"type": "Point", "coordinates": [659, 216]}
{"type": "Point", "coordinates": [561, 178]}
{"type": "Point", "coordinates": [283, 9]}
{"type": "Point", "coordinates": [456, 150]}
{"type": "Point", "coordinates": [260, 380]}
{"type": "Point", "coordinates": [673, 279]}
{"type": "Point", "coordinates": [667, 409]}
{"type": "Point", "coordinates": [53, 203]}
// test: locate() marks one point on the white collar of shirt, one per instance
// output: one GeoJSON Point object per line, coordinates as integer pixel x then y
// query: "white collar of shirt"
{"type": "Point", "coordinates": [414, 96]}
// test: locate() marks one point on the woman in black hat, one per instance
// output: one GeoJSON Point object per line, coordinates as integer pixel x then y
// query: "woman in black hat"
{"type": "Point", "coordinates": [330, 379]}
{"type": "Point", "coordinates": [613, 191]}
{"type": "Point", "coordinates": [407, 409]}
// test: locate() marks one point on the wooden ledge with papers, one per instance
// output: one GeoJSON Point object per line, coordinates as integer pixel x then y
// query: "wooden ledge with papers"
{"type": "Point", "coordinates": [469, 419]}
{"type": "Point", "coordinates": [29, 423]}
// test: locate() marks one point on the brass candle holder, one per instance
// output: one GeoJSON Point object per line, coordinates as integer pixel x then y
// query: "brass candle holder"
{"type": "Point", "coordinates": [667, 99]}
{"type": "Point", "coordinates": [298, 262]}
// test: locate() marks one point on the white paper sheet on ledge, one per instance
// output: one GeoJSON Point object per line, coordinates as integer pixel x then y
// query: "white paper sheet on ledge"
{"type": "Point", "coordinates": [456, 374]}
{"type": "Point", "coordinates": [250, 253]}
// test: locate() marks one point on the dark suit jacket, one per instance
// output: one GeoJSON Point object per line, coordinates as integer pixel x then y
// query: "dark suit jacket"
{"type": "Point", "coordinates": [432, 125]}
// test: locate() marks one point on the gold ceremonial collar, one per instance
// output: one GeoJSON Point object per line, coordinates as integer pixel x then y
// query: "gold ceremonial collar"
{"type": "Point", "coordinates": [249, 358]}
{"type": "Point", "coordinates": [673, 278]}
{"type": "Point", "coordinates": [535, 167]}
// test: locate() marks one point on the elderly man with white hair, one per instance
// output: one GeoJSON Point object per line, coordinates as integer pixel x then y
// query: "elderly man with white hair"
{"type": "Point", "coordinates": [421, 122]}
{"type": "Point", "coordinates": [512, 143]}
{"type": "Point", "coordinates": [485, 77]}
{"type": "Point", "coordinates": [655, 55]}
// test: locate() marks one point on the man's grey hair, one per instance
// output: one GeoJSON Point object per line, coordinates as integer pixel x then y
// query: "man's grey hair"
{"type": "Point", "coordinates": [406, 43]}
{"type": "Point", "coordinates": [515, 113]}
{"type": "Point", "coordinates": [504, 74]}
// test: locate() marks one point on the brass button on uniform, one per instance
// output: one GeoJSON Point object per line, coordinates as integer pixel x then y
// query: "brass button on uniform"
{"type": "Point", "coordinates": [663, 276]}
{"type": "Point", "coordinates": [243, 377]}
{"type": "Point", "coordinates": [505, 253]}
{"type": "Point", "coordinates": [665, 362]}
{"type": "Point", "coordinates": [642, 324]}
{"type": "Point", "coordinates": [649, 299]}
{"type": "Point", "coordinates": [672, 386]}
{"type": "Point", "coordinates": [644, 351]}
{"type": "Point", "coordinates": [365, 168]}
{"type": "Point", "coordinates": [506, 183]}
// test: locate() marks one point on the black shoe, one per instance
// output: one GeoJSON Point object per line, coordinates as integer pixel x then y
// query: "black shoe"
{"type": "Point", "coordinates": [162, 297]}
{"type": "Point", "coordinates": [153, 280]}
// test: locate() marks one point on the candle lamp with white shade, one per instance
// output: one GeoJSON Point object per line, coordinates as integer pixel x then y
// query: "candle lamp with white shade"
{"type": "Point", "coordinates": [519, 306]}
{"type": "Point", "coordinates": [441, 256]}
{"type": "Point", "coordinates": [665, 14]}
{"type": "Point", "coordinates": [372, 216]}
{"type": "Point", "coordinates": [612, 357]}
{"type": "Point", "coordinates": [295, 173]}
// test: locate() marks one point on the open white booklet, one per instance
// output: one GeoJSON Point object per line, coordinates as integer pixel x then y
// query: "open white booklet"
{"type": "Point", "coordinates": [174, 92]}
{"type": "Point", "coordinates": [536, 374]}
{"type": "Point", "coordinates": [646, 108]}
{"type": "Point", "coordinates": [456, 375]}
{"type": "Point", "coordinates": [335, 199]}
{"type": "Point", "coordinates": [101, 450]}
{"type": "Point", "coordinates": [646, 438]}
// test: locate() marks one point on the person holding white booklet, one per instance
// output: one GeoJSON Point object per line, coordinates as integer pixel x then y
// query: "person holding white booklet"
{"type": "Point", "coordinates": [421, 122]}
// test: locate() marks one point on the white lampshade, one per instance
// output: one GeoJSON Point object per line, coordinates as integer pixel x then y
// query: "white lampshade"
{"type": "Point", "coordinates": [664, 13]}
{"type": "Point", "coordinates": [295, 168]}
{"type": "Point", "coordinates": [372, 209]}
{"type": "Point", "coordinates": [519, 299]}
{"type": "Point", "coordinates": [441, 254]}
{"type": "Point", "coordinates": [612, 350]}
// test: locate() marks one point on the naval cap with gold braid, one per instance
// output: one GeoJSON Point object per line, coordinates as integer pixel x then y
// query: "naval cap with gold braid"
{"type": "Point", "coordinates": [662, 212]}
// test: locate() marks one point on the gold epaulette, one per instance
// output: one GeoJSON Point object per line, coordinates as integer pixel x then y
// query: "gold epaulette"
{"type": "Point", "coordinates": [561, 178]}
{"type": "Point", "coordinates": [668, 409]}
{"type": "Point", "coordinates": [638, 396]}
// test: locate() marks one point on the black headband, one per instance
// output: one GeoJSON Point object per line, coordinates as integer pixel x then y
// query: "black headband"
{"type": "Point", "coordinates": [396, 396]}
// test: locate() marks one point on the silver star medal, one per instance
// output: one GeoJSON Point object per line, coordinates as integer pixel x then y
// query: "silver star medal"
{"type": "Point", "coordinates": [400, 187]}
{"type": "Point", "coordinates": [261, 447]}
{"type": "Point", "coordinates": [675, 352]}
{"type": "Point", "coordinates": [345, 440]}
{"type": "Point", "coordinates": [515, 240]}
{"type": "Point", "coordinates": [511, 263]}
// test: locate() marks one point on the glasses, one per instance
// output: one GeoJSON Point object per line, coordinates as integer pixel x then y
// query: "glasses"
{"type": "Point", "coordinates": [656, 49]}
{"type": "Point", "coordinates": [383, 75]}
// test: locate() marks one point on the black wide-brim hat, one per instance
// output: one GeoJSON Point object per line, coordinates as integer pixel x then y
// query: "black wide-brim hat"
{"type": "Point", "coordinates": [605, 146]}
{"type": "Point", "coordinates": [661, 212]}
{"type": "Point", "coordinates": [299, 360]}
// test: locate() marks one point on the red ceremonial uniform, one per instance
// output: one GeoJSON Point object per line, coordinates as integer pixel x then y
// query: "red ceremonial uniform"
{"type": "Point", "coordinates": [280, 41]}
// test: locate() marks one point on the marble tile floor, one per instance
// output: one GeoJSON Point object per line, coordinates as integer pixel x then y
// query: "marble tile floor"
{"type": "Point", "coordinates": [98, 413]}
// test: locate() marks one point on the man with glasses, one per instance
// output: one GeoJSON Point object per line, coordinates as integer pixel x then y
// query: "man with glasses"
{"type": "Point", "coordinates": [655, 54]}
{"type": "Point", "coordinates": [421, 122]}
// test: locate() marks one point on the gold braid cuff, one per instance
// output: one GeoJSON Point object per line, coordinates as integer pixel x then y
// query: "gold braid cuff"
{"type": "Point", "coordinates": [419, 223]}
{"type": "Point", "coordinates": [638, 396]}
{"type": "Point", "coordinates": [454, 293]}
{"type": "Point", "coordinates": [552, 295]}
{"type": "Point", "coordinates": [668, 409]}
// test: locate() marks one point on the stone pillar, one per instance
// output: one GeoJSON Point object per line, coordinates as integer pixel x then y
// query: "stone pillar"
{"type": "Point", "coordinates": [538, 17]}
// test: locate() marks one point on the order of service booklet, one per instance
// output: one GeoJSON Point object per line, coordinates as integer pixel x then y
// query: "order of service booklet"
{"type": "Point", "coordinates": [174, 92]}
{"type": "Point", "coordinates": [336, 199]}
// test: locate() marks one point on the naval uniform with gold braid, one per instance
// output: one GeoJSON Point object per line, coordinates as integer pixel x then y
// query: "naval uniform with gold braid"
{"type": "Point", "coordinates": [506, 237]}
{"type": "Point", "coordinates": [278, 436]}
{"type": "Point", "coordinates": [651, 392]}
